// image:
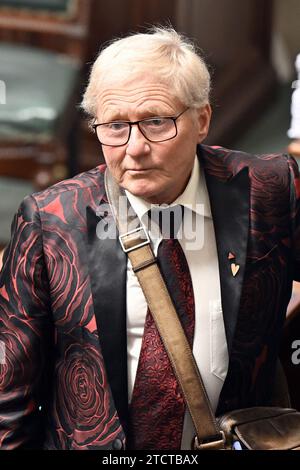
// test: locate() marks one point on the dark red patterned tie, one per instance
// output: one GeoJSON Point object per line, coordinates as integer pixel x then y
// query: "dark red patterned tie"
{"type": "Point", "coordinates": [157, 407]}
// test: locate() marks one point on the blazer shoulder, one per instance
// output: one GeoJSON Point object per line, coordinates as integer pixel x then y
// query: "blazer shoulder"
{"type": "Point", "coordinates": [93, 178]}
{"type": "Point", "coordinates": [90, 182]}
{"type": "Point", "coordinates": [280, 169]}
{"type": "Point", "coordinates": [66, 200]}
{"type": "Point", "coordinates": [228, 162]}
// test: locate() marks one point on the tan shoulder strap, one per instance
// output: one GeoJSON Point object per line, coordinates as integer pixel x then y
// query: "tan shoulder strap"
{"type": "Point", "coordinates": [136, 243]}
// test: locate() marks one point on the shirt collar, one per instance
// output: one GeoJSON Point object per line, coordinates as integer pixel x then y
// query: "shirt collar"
{"type": "Point", "coordinates": [195, 196]}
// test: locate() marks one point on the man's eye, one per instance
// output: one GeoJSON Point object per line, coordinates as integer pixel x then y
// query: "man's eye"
{"type": "Point", "coordinates": [116, 126]}
{"type": "Point", "coordinates": [155, 122]}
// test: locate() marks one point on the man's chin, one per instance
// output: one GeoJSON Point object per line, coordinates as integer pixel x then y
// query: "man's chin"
{"type": "Point", "coordinates": [141, 192]}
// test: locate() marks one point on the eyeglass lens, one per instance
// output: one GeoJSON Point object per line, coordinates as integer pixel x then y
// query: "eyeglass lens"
{"type": "Point", "coordinates": [155, 130]}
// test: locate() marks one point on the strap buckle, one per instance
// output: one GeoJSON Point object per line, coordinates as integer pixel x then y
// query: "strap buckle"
{"type": "Point", "coordinates": [217, 442]}
{"type": "Point", "coordinates": [134, 240]}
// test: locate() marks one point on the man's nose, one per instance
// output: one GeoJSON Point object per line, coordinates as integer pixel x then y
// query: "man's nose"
{"type": "Point", "coordinates": [137, 144]}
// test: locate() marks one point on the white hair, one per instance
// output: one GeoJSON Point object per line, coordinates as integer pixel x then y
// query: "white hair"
{"type": "Point", "coordinates": [164, 54]}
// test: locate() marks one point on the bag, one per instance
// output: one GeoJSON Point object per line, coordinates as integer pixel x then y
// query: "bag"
{"type": "Point", "coordinates": [261, 428]}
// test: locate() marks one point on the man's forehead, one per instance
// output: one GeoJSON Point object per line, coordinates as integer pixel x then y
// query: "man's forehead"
{"type": "Point", "coordinates": [144, 99]}
{"type": "Point", "coordinates": [136, 90]}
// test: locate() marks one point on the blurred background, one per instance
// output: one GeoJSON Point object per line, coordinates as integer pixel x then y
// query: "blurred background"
{"type": "Point", "coordinates": [47, 46]}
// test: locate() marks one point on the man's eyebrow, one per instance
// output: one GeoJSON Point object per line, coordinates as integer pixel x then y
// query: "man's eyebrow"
{"type": "Point", "coordinates": [143, 114]}
{"type": "Point", "coordinates": [157, 112]}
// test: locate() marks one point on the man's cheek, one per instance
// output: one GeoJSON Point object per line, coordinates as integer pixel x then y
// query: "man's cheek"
{"type": "Point", "coordinates": [113, 165]}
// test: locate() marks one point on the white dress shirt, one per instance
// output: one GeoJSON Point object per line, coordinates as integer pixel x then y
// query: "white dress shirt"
{"type": "Point", "coordinates": [199, 246]}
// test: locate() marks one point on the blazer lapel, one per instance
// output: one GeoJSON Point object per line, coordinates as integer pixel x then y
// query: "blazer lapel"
{"type": "Point", "coordinates": [229, 198]}
{"type": "Point", "coordinates": [108, 268]}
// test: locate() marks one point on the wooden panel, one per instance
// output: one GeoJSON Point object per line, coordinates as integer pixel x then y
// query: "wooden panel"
{"type": "Point", "coordinates": [225, 29]}
{"type": "Point", "coordinates": [235, 39]}
{"type": "Point", "coordinates": [117, 18]}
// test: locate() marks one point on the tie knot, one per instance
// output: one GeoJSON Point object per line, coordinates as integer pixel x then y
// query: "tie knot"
{"type": "Point", "coordinates": [168, 219]}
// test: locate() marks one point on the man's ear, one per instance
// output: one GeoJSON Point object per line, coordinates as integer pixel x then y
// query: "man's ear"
{"type": "Point", "coordinates": [204, 115]}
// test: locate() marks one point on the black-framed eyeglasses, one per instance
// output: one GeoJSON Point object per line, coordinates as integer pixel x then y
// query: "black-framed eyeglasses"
{"type": "Point", "coordinates": [155, 129]}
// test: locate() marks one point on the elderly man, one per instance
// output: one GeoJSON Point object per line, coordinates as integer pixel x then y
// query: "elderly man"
{"type": "Point", "coordinates": [83, 366]}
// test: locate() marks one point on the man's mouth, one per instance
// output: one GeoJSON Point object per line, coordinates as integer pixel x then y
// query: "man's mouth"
{"type": "Point", "coordinates": [138, 170]}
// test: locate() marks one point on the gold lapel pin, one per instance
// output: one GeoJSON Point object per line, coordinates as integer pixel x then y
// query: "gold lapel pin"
{"type": "Point", "coordinates": [234, 267]}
